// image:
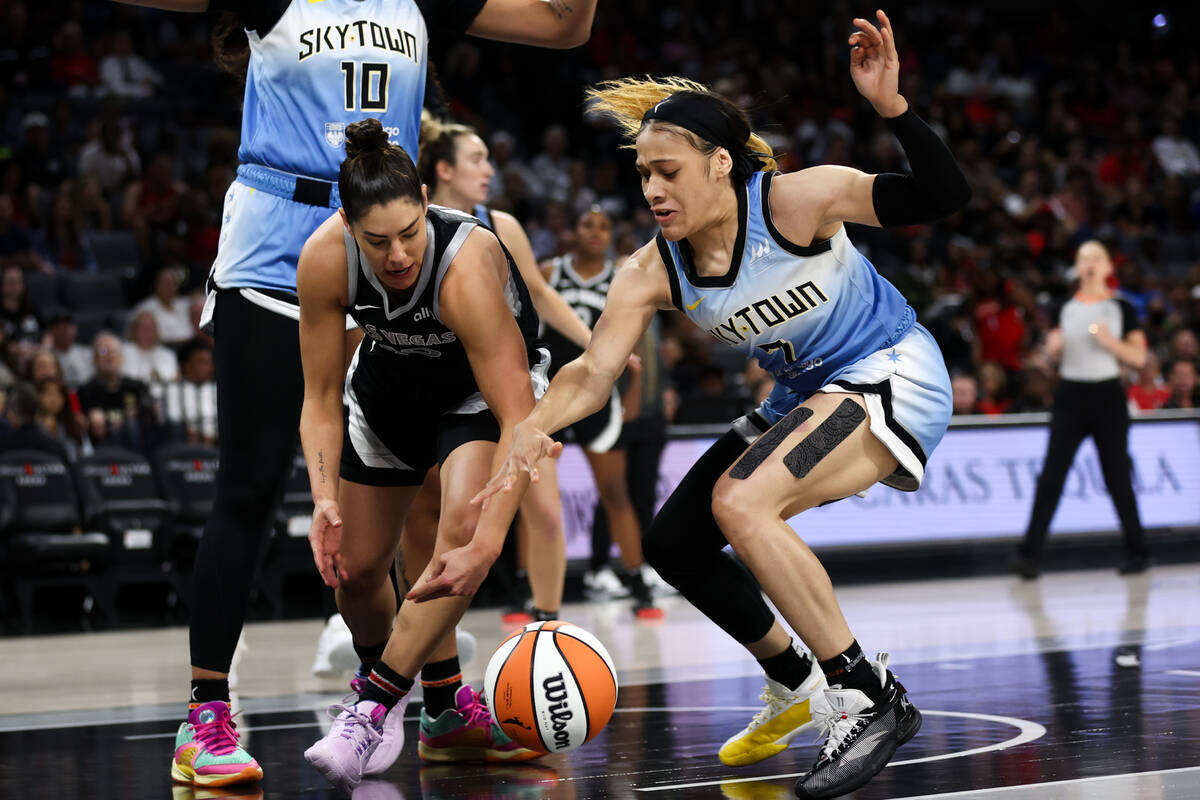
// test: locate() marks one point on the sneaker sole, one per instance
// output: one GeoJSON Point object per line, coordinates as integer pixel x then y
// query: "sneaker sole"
{"type": "Point", "coordinates": [460, 755]}
{"type": "Point", "coordinates": [248, 775]}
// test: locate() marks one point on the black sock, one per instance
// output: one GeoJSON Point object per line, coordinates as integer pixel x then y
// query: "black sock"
{"type": "Point", "coordinates": [789, 667]}
{"type": "Point", "coordinates": [369, 655]}
{"type": "Point", "coordinates": [386, 686]}
{"type": "Point", "coordinates": [637, 586]}
{"type": "Point", "coordinates": [851, 670]}
{"type": "Point", "coordinates": [440, 681]}
{"type": "Point", "coordinates": [542, 615]}
{"type": "Point", "coordinates": [207, 690]}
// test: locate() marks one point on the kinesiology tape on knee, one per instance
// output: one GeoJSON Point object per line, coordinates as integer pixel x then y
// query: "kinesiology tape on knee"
{"type": "Point", "coordinates": [836, 428]}
{"type": "Point", "coordinates": [767, 443]}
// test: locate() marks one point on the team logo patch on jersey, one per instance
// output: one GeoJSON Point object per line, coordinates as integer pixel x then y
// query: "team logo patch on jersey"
{"type": "Point", "coordinates": [335, 133]}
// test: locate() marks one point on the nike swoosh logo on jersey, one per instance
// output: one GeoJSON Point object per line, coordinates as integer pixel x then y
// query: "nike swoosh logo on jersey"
{"type": "Point", "coordinates": [692, 306]}
{"type": "Point", "coordinates": [356, 308]}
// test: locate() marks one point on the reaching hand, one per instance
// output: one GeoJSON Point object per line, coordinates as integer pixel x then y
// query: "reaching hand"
{"type": "Point", "coordinates": [529, 446]}
{"type": "Point", "coordinates": [456, 573]}
{"type": "Point", "coordinates": [875, 67]}
{"type": "Point", "coordinates": [325, 536]}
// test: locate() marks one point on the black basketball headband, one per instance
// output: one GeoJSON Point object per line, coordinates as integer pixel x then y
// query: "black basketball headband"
{"type": "Point", "coordinates": [695, 112]}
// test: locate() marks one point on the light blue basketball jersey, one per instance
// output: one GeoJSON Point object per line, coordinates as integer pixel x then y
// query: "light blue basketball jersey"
{"type": "Point", "coordinates": [325, 64]}
{"type": "Point", "coordinates": [805, 312]}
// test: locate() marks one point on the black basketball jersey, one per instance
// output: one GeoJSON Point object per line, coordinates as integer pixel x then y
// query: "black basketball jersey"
{"type": "Point", "coordinates": [585, 296]}
{"type": "Point", "coordinates": [407, 346]}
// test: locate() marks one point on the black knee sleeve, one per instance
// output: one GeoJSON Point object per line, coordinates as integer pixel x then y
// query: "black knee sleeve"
{"type": "Point", "coordinates": [684, 544]}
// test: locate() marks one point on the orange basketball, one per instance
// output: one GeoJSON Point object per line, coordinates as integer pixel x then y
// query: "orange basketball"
{"type": "Point", "coordinates": [551, 686]}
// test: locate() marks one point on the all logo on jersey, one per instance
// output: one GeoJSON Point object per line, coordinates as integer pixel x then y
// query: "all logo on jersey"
{"type": "Point", "coordinates": [766, 314]}
{"type": "Point", "coordinates": [335, 134]}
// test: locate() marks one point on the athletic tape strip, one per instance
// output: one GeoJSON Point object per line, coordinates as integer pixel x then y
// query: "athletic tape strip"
{"type": "Point", "coordinates": [767, 443]}
{"type": "Point", "coordinates": [836, 428]}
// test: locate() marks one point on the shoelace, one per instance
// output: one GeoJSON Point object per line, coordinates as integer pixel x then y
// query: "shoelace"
{"type": "Point", "coordinates": [353, 726]}
{"type": "Point", "coordinates": [836, 726]}
{"type": "Point", "coordinates": [775, 704]}
{"type": "Point", "coordinates": [220, 737]}
{"type": "Point", "coordinates": [477, 712]}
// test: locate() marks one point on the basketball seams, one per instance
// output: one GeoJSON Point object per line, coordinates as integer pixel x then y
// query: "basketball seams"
{"type": "Point", "coordinates": [587, 720]}
{"type": "Point", "coordinates": [537, 726]}
{"type": "Point", "coordinates": [611, 672]}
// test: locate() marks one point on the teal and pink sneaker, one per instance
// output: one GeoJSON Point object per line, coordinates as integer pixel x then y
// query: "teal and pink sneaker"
{"type": "Point", "coordinates": [207, 751]}
{"type": "Point", "coordinates": [468, 733]}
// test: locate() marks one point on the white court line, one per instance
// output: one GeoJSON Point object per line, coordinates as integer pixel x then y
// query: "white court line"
{"type": "Point", "coordinates": [1191, 673]}
{"type": "Point", "coordinates": [1070, 782]}
{"type": "Point", "coordinates": [1029, 731]}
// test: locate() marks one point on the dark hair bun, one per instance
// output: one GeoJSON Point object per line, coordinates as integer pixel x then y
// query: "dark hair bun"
{"type": "Point", "coordinates": [365, 137]}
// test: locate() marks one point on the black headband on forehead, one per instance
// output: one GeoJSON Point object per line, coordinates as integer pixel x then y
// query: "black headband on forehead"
{"type": "Point", "coordinates": [694, 112]}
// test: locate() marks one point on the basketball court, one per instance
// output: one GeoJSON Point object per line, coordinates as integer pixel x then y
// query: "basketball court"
{"type": "Point", "coordinates": [1081, 685]}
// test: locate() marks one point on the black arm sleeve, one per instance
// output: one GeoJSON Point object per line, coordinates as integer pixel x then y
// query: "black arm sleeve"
{"type": "Point", "coordinates": [449, 17]}
{"type": "Point", "coordinates": [935, 189]}
{"type": "Point", "coordinates": [259, 16]}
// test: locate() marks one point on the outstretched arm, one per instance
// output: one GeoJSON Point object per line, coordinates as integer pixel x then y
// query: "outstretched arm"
{"type": "Point", "coordinates": [474, 307]}
{"type": "Point", "coordinates": [544, 23]}
{"type": "Point", "coordinates": [581, 387]}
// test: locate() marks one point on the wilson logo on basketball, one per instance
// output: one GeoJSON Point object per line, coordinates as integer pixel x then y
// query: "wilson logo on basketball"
{"type": "Point", "coordinates": [555, 689]}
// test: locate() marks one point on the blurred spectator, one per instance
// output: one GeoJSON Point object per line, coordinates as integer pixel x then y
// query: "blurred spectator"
{"type": "Point", "coordinates": [16, 242]}
{"type": "Point", "coordinates": [62, 241]}
{"type": "Point", "coordinates": [144, 359]}
{"type": "Point", "coordinates": [546, 239]}
{"type": "Point", "coordinates": [1184, 346]}
{"type": "Point", "coordinates": [8, 367]}
{"type": "Point", "coordinates": [1181, 381]}
{"type": "Point", "coordinates": [61, 422]}
{"type": "Point", "coordinates": [757, 382]}
{"type": "Point", "coordinates": [1175, 154]}
{"type": "Point", "coordinates": [24, 50]}
{"type": "Point", "coordinates": [191, 401]}
{"type": "Point", "coordinates": [71, 64]}
{"type": "Point", "coordinates": [43, 365]}
{"type": "Point", "coordinates": [1148, 392]}
{"type": "Point", "coordinates": [966, 394]}
{"type": "Point", "coordinates": [169, 310]}
{"type": "Point", "coordinates": [125, 74]}
{"type": "Point", "coordinates": [75, 359]}
{"type": "Point", "coordinates": [119, 410]}
{"type": "Point", "coordinates": [1000, 326]}
{"type": "Point", "coordinates": [24, 432]}
{"type": "Point", "coordinates": [993, 386]}
{"type": "Point", "coordinates": [1037, 390]}
{"type": "Point", "coordinates": [551, 167]}
{"type": "Point", "coordinates": [108, 156]}
{"type": "Point", "coordinates": [151, 207]}
{"type": "Point", "coordinates": [18, 319]}
{"type": "Point", "coordinates": [42, 164]}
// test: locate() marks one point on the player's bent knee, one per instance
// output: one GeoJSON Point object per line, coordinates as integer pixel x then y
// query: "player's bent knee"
{"type": "Point", "coordinates": [362, 579]}
{"type": "Point", "coordinates": [734, 509]}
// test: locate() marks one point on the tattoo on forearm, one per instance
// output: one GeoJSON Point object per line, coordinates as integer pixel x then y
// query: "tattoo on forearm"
{"type": "Point", "coordinates": [321, 465]}
{"type": "Point", "coordinates": [561, 8]}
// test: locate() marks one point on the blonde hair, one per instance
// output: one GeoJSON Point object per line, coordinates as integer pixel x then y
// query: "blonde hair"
{"type": "Point", "coordinates": [437, 143]}
{"type": "Point", "coordinates": [626, 101]}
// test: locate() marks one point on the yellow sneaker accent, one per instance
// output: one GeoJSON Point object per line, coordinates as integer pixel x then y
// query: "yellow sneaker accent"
{"type": "Point", "coordinates": [785, 716]}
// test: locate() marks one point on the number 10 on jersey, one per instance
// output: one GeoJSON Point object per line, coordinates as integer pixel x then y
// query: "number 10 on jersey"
{"type": "Point", "coordinates": [366, 86]}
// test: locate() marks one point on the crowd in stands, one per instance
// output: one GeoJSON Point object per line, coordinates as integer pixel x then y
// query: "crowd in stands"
{"type": "Point", "coordinates": [118, 139]}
